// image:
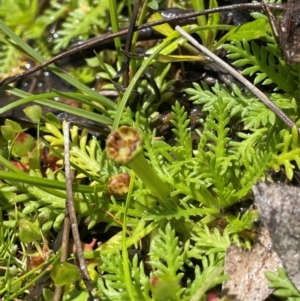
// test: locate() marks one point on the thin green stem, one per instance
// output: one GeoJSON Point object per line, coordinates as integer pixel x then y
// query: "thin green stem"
{"type": "Point", "coordinates": [125, 258]}
{"type": "Point", "coordinates": [135, 79]}
{"type": "Point", "coordinates": [115, 27]}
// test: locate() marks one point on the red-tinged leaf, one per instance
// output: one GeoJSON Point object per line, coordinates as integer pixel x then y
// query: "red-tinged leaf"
{"type": "Point", "coordinates": [19, 165]}
{"type": "Point", "coordinates": [23, 144]}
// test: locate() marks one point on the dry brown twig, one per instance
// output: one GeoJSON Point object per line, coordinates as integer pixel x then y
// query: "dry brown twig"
{"type": "Point", "coordinates": [72, 214]}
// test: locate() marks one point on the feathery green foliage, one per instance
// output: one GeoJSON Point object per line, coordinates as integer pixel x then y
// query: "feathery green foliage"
{"type": "Point", "coordinates": [282, 285]}
{"type": "Point", "coordinates": [238, 141]}
{"type": "Point", "coordinates": [168, 262]}
{"type": "Point", "coordinates": [76, 19]}
{"type": "Point", "coordinates": [262, 63]}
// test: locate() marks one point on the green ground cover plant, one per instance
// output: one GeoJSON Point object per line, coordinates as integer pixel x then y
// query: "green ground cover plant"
{"type": "Point", "coordinates": [166, 203]}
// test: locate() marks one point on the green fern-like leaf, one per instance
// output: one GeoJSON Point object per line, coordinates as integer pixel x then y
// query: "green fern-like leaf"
{"type": "Point", "coordinates": [212, 151]}
{"type": "Point", "coordinates": [207, 242]}
{"type": "Point", "coordinates": [253, 172]}
{"type": "Point", "coordinates": [262, 63]}
{"type": "Point", "coordinates": [243, 149]}
{"type": "Point", "coordinates": [48, 207]}
{"type": "Point", "coordinates": [249, 109]}
{"type": "Point", "coordinates": [85, 153]}
{"type": "Point", "coordinates": [252, 112]}
{"type": "Point", "coordinates": [203, 95]}
{"type": "Point", "coordinates": [50, 15]}
{"type": "Point", "coordinates": [205, 279]}
{"type": "Point", "coordinates": [24, 11]}
{"type": "Point", "coordinates": [193, 177]}
{"type": "Point", "coordinates": [250, 161]}
{"type": "Point", "coordinates": [288, 152]}
{"type": "Point", "coordinates": [167, 260]}
{"type": "Point", "coordinates": [282, 285]}
{"type": "Point", "coordinates": [165, 254]}
{"type": "Point", "coordinates": [10, 59]}
{"type": "Point", "coordinates": [183, 135]}
{"type": "Point", "coordinates": [240, 223]}
{"type": "Point", "coordinates": [253, 151]}
{"type": "Point", "coordinates": [82, 22]}
{"type": "Point", "coordinates": [258, 114]}
{"type": "Point", "coordinates": [172, 211]}
{"type": "Point", "coordinates": [223, 170]}
{"type": "Point", "coordinates": [113, 285]}
{"type": "Point", "coordinates": [157, 152]}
